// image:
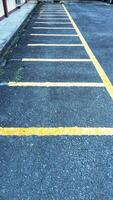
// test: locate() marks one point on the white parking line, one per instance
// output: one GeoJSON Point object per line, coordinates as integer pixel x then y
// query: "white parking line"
{"type": "Point", "coordinates": [61, 15]}
{"type": "Point", "coordinates": [52, 27]}
{"type": "Point", "coordinates": [53, 45]}
{"type": "Point", "coordinates": [52, 11]}
{"type": "Point", "coordinates": [52, 84]}
{"type": "Point", "coordinates": [53, 23]}
{"type": "Point", "coordinates": [56, 35]}
{"type": "Point", "coordinates": [51, 18]}
{"type": "Point", "coordinates": [46, 12]}
{"type": "Point", "coordinates": [55, 60]}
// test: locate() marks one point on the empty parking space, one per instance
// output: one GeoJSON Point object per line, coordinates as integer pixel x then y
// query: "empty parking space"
{"type": "Point", "coordinates": [51, 107]}
{"type": "Point", "coordinates": [49, 71]}
{"type": "Point", "coordinates": [74, 52]}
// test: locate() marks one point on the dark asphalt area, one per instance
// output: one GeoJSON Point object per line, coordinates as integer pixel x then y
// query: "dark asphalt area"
{"type": "Point", "coordinates": [58, 167]}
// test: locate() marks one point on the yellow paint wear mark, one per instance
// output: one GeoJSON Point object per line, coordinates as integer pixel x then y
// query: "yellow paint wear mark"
{"type": "Point", "coordinates": [97, 65]}
{"type": "Point", "coordinates": [67, 131]}
{"type": "Point", "coordinates": [55, 84]}
{"type": "Point", "coordinates": [54, 60]}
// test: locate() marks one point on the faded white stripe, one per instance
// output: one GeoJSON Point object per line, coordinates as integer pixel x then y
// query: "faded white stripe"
{"type": "Point", "coordinates": [59, 35]}
{"type": "Point", "coordinates": [55, 84]}
{"type": "Point", "coordinates": [52, 28]}
{"type": "Point", "coordinates": [54, 60]}
{"type": "Point", "coordinates": [59, 45]}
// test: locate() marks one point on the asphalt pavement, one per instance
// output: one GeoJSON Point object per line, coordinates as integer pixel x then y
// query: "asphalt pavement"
{"type": "Point", "coordinates": [58, 82]}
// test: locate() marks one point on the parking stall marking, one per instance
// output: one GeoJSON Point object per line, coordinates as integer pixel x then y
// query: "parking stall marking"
{"type": "Point", "coordinates": [55, 12]}
{"type": "Point", "coordinates": [52, 84]}
{"type": "Point", "coordinates": [51, 15]}
{"type": "Point", "coordinates": [52, 28]}
{"type": "Point", "coordinates": [55, 45]}
{"type": "Point", "coordinates": [50, 12]}
{"type": "Point", "coordinates": [49, 9]}
{"type": "Point", "coordinates": [58, 35]}
{"type": "Point", "coordinates": [55, 60]}
{"type": "Point", "coordinates": [54, 35]}
{"type": "Point", "coordinates": [51, 18]}
{"type": "Point", "coordinates": [52, 23]}
{"type": "Point", "coordinates": [60, 131]}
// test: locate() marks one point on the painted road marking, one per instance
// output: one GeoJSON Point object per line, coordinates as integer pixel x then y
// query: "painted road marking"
{"type": "Point", "coordinates": [52, 23]}
{"type": "Point", "coordinates": [50, 18]}
{"type": "Point", "coordinates": [52, 28]}
{"type": "Point", "coordinates": [55, 60]}
{"type": "Point", "coordinates": [67, 131]}
{"type": "Point", "coordinates": [56, 15]}
{"type": "Point", "coordinates": [52, 11]}
{"type": "Point", "coordinates": [58, 35]}
{"type": "Point", "coordinates": [57, 45]}
{"type": "Point", "coordinates": [52, 84]}
{"type": "Point", "coordinates": [97, 65]}
{"type": "Point", "coordinates": [53, 15]}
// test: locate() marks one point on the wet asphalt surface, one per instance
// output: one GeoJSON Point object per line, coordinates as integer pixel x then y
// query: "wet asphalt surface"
{"type": "Point", "coordinates": [68, 168]}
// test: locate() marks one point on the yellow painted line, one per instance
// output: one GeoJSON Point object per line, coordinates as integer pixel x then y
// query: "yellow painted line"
{"type": "Point", "coordinates": [56, 35]}
{"type": "Point", "coordinates": [67, 131]}
{"type": "Point", "coordinates": [54, 60]}
{"type": "Point", "coordinates": [57, 45]}
{"type": "Point", "coordinates": [54, 84]}
{"type": "Point", "coordinates": [52, 23]}
{"type": "Point", "coordinates": [96, 63]}
{"type": "Point", "coordinates": [51, 28]}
